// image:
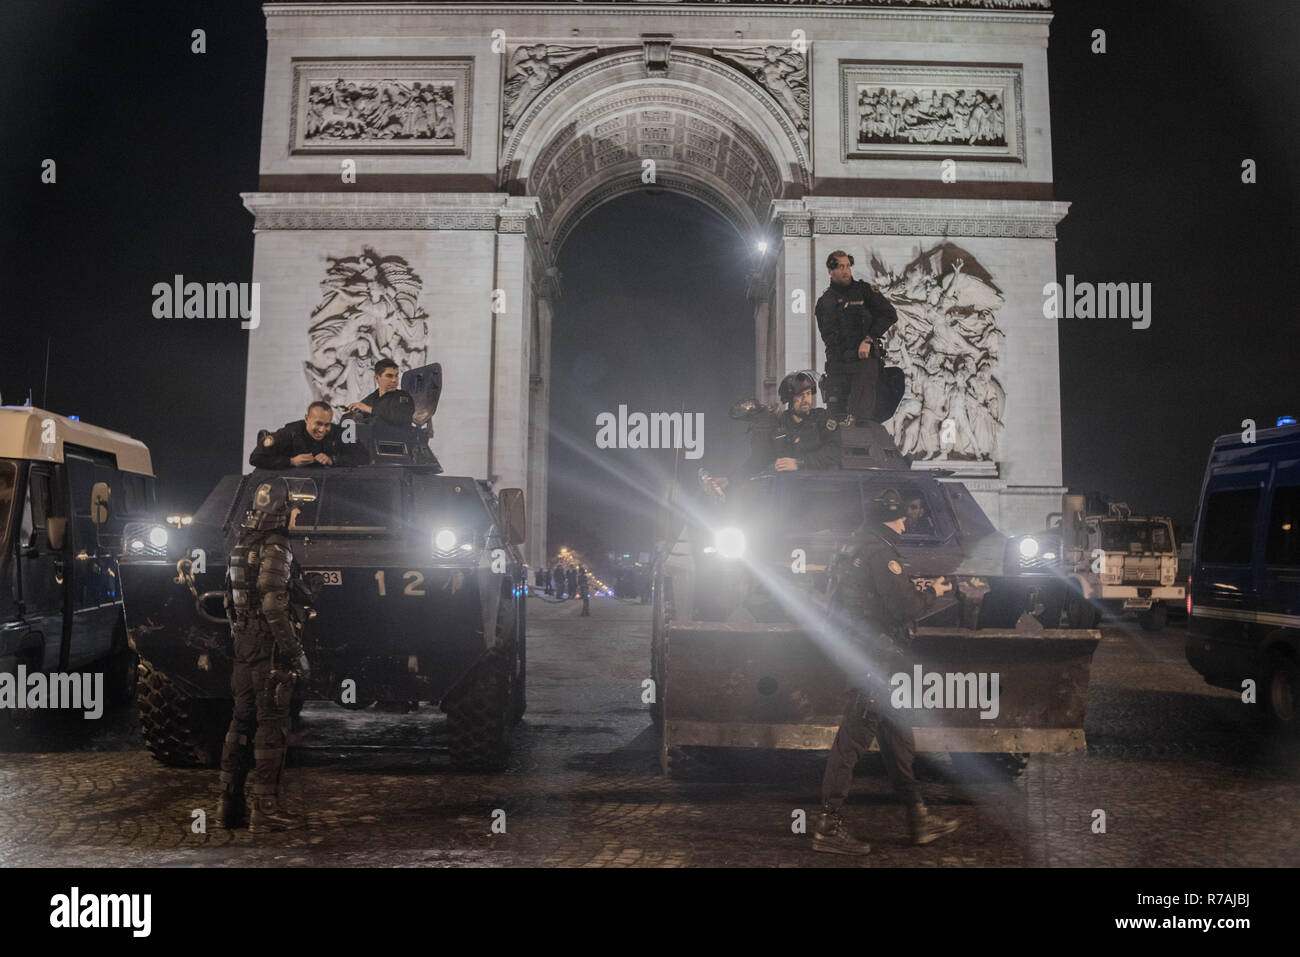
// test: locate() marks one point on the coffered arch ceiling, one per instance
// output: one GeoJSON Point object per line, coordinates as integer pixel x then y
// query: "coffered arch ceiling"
{"type": "Point", "coordinates": [713, 133]}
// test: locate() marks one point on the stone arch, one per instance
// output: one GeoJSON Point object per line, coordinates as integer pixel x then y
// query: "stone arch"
{"type": "Point", "coordinates": [715, 135]}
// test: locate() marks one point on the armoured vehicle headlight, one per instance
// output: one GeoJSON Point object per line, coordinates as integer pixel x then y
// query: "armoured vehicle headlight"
{"type": "Point", "coordinates": [444, 540]}
{"type": "Point", "coordinates": [1028, 547]}
{"type": "Point", "coordinates": [730, 542]}
{"type": "Point", "coordinates": [158, 537]}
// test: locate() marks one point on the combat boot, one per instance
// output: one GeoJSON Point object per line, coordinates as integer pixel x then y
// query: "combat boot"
{"type": "Point", "coordinates": [926, 827]}
{"type": "Point", "coordinates": [270, 814]}
{"type": "Point", "coordinates": [232, 811]}
{"type": "Point", "coordinates": [831, 835]}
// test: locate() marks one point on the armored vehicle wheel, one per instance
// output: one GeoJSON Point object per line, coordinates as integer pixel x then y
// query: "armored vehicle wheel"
{"type": "Point", "coordinates": [1281, 693]}
{"type": "Point", "coordinates": [1080, 613]}
{"type": "Point", "coordinates": [978, 767]}
{"type": "Point", "coordinates": [1154, 618]}
{"type": "Point", "coordinates": [479, 719]}
{"type": "Point", "coordinates": [121, 669]}
{"type": "Point", "coordinates": [179, 730]}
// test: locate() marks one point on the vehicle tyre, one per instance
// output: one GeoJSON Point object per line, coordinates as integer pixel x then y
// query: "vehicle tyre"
{"type": "Point", "coordinates": [996, 767]}
{"type": "Point", "coordinates": [1080, 613]}
{"type": "Point", "coordinates": [121, 670]}
{"type": "Point", "coordinates": [1001, 609]}
{"type": "Point", "coordinates": [1281, 697]}
{"type": "Point", "coordinates": [1155, 617]}
{"type": "Point", "coordinates": [1053, 606]}
{"type": "Point", "coordinates": [179, 730]}
{"type": "Point", "coordinates": [478, 720]}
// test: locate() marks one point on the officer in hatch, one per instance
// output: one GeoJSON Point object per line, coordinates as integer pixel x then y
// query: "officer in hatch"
{"type": "Point", "coordinates": [800, 437]}
{"type": "Point", "coordinates": [852, 318]}
{"type": "Point", "coordinates": [313, 440]}
{"type": "Point", "coordinates": [873, 605]}
{"type": "Point", "coordinates": [263, 583]}
{"type": "Point", "coordinates": [387, 403]}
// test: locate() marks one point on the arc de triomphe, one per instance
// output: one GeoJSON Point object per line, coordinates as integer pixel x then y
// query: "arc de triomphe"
{"type": "Point", "coordinates": [422, 164]}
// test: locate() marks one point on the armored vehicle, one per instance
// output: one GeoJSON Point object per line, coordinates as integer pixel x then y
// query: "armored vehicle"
{"type": "Point", "coordinates": [1243, 600]}
{"type": "Point", "coordinates": [1118, 562]}
{"type": "Point", "coordinates": [417, 595]}
{"type": "Point", "coordinates": [66, 490]}
{"type": "Point", "coordinates": [739, 651]}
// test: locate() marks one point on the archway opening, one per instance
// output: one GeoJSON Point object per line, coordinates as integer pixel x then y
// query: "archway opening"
{"type": "Point", "coordinates": [654, 319]}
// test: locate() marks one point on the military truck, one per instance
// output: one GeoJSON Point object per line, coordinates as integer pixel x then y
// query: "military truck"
{"type": "Point", "coordinates": [741, 656]}
{"type": "Point", "coordinates": [418, 595]}
{"type": "Point", "coordinates": [66, 490]}
{"type": "Point", "coordinates": [1118, 562]}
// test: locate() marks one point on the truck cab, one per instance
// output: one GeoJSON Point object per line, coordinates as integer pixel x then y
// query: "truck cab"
{"type": "Point", "coordinates": [1118, 562]}
{"type": "Point", "coordinates": [67, 489]}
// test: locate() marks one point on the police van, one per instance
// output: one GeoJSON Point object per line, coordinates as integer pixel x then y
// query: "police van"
{"type": "Point", "coordinates": [1243, 597]}
{"type": "Point", "coordinates": [66, 491]}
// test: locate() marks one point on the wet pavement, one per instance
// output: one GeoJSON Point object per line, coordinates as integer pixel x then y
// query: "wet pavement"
{"type": "Point", "coordinates": [1184, 774]}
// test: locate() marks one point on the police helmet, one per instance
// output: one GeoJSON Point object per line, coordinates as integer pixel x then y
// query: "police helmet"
{"type": "Point", "coordinates": [795, 383]}
{"type": "Point", "coordinates": [887, 506]}
{"type": "Point", "coordinates": [270, 505]}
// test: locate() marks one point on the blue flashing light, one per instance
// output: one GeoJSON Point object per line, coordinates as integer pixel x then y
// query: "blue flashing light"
{"type": "Point", "coordinates": [75, 418]}
{"type": "Point", "coordinates": [1285, 420]}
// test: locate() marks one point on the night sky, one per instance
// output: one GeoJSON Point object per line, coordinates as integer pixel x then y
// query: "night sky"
{"type": "Point", "coordinates": [154, 145]}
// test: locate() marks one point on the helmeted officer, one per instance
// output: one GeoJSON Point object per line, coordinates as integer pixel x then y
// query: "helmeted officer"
{"type": "Point", "coordinates": [874, 603]}
{"type": "Point", "coordinates": [268, 661]}
{"type": "Point", "coordinates": [799, 437]}
{"type": "Point", "coordinates": [852, 318]}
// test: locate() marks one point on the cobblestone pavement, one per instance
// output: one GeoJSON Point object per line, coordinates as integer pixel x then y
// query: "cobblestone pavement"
{"type": "Point", "coordinates": [1183, 772]}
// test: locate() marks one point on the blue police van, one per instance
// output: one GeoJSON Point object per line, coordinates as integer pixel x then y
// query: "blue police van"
{"type": "Point", "coordinates": [1243, 596]}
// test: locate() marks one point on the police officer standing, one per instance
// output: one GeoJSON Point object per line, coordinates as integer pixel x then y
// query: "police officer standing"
{"type": "Point", "coordinates": [584, 592]}
{"type": "Point", "coordinates": [852, 318]}
{"type": "Point", "coordinates": [387, 403]}
{"type": "Point", "coordinates": [873, 605]}
{"type": "Point", "coordinates": [310, 441]}
{"type": "Point", "coordinates": [269, 661]}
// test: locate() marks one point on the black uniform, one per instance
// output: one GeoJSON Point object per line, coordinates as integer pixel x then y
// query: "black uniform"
{"type": "Point", "coordinates": [276, 450]}
{"type": "Point", "coordinates": [846, 315]}
{"type": "Point", "coordinates": [813, 441]}
{"type": "Point", "coordinates": [268, 659]}
{"type": "Point", "coordinates": [395, 408]}
{"type": "Point", "coordinates": [875, 603]}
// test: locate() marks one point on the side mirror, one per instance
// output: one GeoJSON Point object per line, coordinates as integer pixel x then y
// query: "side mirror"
{"type": "Point", "coordinates": [512, 515]}
{"type": "Point", "coordinates": [101, 498]}
{"type": "Point", "coordinates": [56, 529]}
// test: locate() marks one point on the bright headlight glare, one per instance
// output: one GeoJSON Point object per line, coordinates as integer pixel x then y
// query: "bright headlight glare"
{"type": "Point", "coordinates": [157, 537]}
{"type": "Point", "coordinates": [444, 540]}
{"type": "Point", "coordinates": [136, 545]}
{"type": "Point", "coordinates": [1028, 547]}
{"type": "Point", "coordinates": [730, 542]}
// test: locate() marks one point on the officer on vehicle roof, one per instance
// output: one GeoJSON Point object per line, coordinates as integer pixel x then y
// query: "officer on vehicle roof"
{"type": "Point", "coordinates": [874, 603]}
{"type": "Point", "coordinates": [799, 437]}
{"type": "Point", "coordinates": [388, 403]}
{"type": "Point", "coordinates": [852, 318]}
{"type": "Point", "coordinates": [262, 580]}
{"type": "Point", "coordinates": [310, 441]}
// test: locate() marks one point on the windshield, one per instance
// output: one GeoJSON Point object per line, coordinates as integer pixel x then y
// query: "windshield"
{"type": "Point", "coordinates": [8, 482]}
{"type": "Point", "coordinates": [350, 504]}
{"type": "Point", "coordinates": [1135, 537]}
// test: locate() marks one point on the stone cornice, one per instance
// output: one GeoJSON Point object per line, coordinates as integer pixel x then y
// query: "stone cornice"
{"type": "Point", "coordinates": [383, 210]}
{"type": "Point", "coordinates": [1003, 12]}
{"type": "Point", "coordinates": [1017, 219]}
